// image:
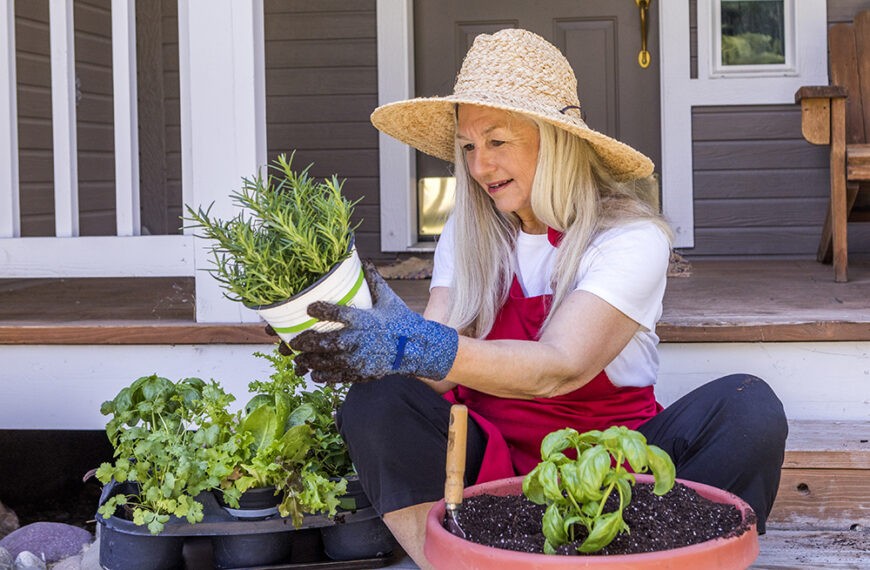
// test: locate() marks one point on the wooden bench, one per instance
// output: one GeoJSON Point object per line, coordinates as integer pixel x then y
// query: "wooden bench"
{"type": "Point", "coordinates": [837, 115]}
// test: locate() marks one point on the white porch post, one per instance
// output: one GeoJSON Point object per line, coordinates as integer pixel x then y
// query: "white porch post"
{"type": "Point", "coordinates": [63, 118]}
{"type": "Point", "coordinates": [127, 212]}
{"type": "Point", "coordinates": [9, 207]}
{"type": "Point", "coordinates": [223, 120]}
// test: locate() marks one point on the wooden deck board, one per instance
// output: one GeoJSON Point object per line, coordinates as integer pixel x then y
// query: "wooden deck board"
{"type": "Point", "coordinates": [787, 550]}
{"type": "Point", "coordinates": [721, 301]}
{"type": "Point", "coordinates": [846, 445]}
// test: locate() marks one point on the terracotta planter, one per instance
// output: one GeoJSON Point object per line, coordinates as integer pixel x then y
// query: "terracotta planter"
{"type": "Point", "coordinates": [444, 550]}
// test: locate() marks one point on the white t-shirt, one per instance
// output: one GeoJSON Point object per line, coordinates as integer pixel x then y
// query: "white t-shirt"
{"type": "Point", "coordinates": [625, 266]}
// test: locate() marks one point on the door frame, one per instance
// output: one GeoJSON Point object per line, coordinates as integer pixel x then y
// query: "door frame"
{"type": "Point", "coordinates": [679, 93]}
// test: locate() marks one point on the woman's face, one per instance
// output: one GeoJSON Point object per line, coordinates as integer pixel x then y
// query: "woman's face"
{"type": "Point", "coordinates": [501, 153]}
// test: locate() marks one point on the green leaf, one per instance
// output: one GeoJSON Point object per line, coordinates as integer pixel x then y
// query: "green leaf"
{"type": "Point", "coordinates": [105, 473]}
{"type": "Point", "coordinates": [302, 414]}
{"type": "Point", "coordinates": [123, 401]}
{"type": "Point", "coordinates": [634, 447]}
{"type": "Point", "coordinates": [553, 526]}
{"type": "Point", "coordinates": [549, 477]}
{"type": "Point", "coordinates": [295, 443]}
{"type": "Point", "coordinates": [533, 489]}
{"type": "Point", "coordinates": [593, 466]}
{"type": "Point", "coordinates": [604, 530]}
{"type": "Point", "coordinates": [262, 423]}
{"type": "Point", "coordinates": [257, 401]}
{"type": "Point", "coordinates": [663, 469]}
{"type": "Point", "coordinates": [556, 442]}
{"type": "Point", "coordinates": [572, 481]}
{"type": "Point", "coordinates": [156, 386]}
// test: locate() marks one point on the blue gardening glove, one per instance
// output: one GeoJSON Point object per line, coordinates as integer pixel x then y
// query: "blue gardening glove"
{"type": "Point", "coordinates": [389, 338]}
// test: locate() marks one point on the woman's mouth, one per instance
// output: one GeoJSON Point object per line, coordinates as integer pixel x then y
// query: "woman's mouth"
{"type": "Point", "coordinates": [496, 186]}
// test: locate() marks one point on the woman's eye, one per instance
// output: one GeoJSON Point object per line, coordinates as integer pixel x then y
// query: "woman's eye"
{"type": "Point", "coordinates": [497, 143]}
{"type": "Point", "coordinates": [468, 147]}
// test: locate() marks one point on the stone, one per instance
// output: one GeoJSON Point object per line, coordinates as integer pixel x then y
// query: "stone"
{"type": "Point", "coordinates": [8, 520]}
{"type": "Point", "coordinates": [49, 540]}
{"type": "Point", "coordinates": [91, 556]}
{"type": "Point", "coordinates": [71, 563]}
{"type": "Point", "coordinates": [5, 559]}
{"type": "Point", "coordinates": [28, 561]}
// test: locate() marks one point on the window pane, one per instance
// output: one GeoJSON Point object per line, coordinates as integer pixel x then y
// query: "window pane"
{"type": "Point", "coordinates": [435, 198]}
{"type": "Point", "coordinates": [753, 32]}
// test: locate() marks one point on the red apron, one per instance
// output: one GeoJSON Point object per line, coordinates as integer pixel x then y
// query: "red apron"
{"type": "Point", "coordinates": [515, 427]}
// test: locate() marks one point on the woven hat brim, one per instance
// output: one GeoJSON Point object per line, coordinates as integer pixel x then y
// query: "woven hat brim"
{"type": "Point", "coordinates": [427, 124]}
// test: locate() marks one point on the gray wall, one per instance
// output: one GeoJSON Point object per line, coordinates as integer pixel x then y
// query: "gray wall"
{"type": "Point", "coordinates": [321, 87]}
{"type": "Point", "coordinates": [760, 189]}
{"type": "Point", "coordinates": [94, 112]}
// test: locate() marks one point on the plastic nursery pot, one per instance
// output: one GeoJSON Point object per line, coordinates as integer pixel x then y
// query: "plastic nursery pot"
{"type": "Point", "coordinates": [123, 551]}
{"type": "Point", "coordinates": [445, 550]}
{"type": "Point", "coordinates": [245, 550]}
{"type": "Point", "coordinates": [354, 497]}
{"type": "Point", "coordinates": [242, 550]}
{"type": "Point", "coordinates": [345, 284]}
{"type": "Point", "coordinates": [126, 546]}
{"type": "Point", "coordinates": [366, 538]}
{"type": "Point", "coordinates": [254, 504]}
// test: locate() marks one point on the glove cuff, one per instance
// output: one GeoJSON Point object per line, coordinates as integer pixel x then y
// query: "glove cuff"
{"type": "Point", "coordinates": [432, 357]}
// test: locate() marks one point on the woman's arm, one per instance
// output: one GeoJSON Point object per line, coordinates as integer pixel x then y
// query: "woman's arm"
{"type": "Point", "coordinates": [583, 336]}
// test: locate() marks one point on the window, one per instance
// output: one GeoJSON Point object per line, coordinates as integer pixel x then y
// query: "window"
{"type": "Point", "coordinates": [435, 199]}
{"type": "Point", "coordinates": [753, 37]}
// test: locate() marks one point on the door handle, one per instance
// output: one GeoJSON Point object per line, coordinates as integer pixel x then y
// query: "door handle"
{"type": "Point", "coordinates": [643, 58]}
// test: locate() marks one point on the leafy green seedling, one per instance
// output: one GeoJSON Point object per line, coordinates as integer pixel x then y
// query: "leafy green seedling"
{"type": "Point", "coordinates": [290, 231]}
{"type": "Point", "coordinates": [575, 490]}
{"type": "Point", "coordinates": [163, 433]}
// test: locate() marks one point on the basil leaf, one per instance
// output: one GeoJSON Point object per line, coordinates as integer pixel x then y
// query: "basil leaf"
{"type": "Point", "coordinates": [556, 441]}
{"type": "Point", "coordinates": [553, 526]}
{"type": "Point", "coordinates": [593, 466]}
{"type": "Point", "coordinates": [604, 530]}
{"type": "Point", "coordinates": [663, 469]}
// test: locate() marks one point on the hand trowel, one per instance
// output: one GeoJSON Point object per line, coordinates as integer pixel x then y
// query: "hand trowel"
{"type": "Point", "coordinates": [454, 485]}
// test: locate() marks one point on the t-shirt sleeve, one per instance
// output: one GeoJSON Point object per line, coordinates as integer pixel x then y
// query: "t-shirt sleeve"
{"type": "Point", "coordinates": [442, 269]}
{"type": "Point", "coordinates": [627, 267]}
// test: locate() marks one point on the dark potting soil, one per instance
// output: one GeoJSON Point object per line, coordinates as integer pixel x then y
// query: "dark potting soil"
{"type": "Point", "coordinates": [679, 518]}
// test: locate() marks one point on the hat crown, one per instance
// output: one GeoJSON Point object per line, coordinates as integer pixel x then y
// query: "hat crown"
{"type": "Point", "coordinates": [517, 64]}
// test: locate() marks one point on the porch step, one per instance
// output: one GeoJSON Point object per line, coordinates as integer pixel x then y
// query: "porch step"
{"type": "Point", "coordinates": [791, 549]}
{"type": "Point", "coordinates": [825, 481]}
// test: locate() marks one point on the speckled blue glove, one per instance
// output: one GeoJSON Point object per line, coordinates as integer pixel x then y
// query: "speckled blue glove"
{"type": "Point", "coordinates": [389, 338]}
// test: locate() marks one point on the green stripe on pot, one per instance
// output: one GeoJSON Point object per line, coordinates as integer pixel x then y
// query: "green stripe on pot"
{"type": "Point", "coordinates": [343, 301]}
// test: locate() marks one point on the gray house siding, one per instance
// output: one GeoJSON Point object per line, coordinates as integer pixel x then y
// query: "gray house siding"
{"type": "Point", "coordinates": [759, 188]}
{"type": "Point", "coordinates": [94, 117]}
{"type": "Point", "coordinates": [321, 86]}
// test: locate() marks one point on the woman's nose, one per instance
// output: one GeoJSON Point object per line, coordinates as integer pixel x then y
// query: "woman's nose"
{"type": "Point", "coordinates": [481, 163]}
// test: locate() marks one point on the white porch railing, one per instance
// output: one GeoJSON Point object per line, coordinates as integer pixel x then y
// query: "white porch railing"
{"type": "Point", "coordinates": [222, 86]}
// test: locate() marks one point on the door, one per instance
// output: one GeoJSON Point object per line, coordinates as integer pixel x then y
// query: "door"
{"type": "Point", "coordinates": [600, 38]}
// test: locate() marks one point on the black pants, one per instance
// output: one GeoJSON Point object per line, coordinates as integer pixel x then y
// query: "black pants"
{"type": "Point", "coordinates": [729, 433]}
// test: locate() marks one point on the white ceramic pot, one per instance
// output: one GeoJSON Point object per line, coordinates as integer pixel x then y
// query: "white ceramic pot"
{"type": "Point", "coordinates": [345, 284]}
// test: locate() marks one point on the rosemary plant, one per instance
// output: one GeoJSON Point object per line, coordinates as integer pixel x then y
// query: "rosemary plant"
{"type": "Point", "coordinates": [291, 231]}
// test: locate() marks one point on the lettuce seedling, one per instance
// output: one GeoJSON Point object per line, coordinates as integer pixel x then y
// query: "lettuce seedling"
{"type": "Point", "coordinates": [575, 490]}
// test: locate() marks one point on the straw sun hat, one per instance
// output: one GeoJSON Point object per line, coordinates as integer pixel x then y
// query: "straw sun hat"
{"type": "Point", "coordinates": [513, 70]}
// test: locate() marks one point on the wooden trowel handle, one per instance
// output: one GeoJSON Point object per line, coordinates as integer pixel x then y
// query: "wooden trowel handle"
{"type": "Point", "coordinates": [456, 437]}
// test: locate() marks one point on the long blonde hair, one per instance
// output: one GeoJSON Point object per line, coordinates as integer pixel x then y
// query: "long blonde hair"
{"type": "Point", "coordinates": [572, 193]}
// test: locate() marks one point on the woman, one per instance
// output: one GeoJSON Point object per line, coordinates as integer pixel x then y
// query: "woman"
{"type": "Point", "coordinates": [547, 285]}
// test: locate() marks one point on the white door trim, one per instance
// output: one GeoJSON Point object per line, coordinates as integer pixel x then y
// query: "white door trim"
{"type": "Point", "coordinates": [397, 161]}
